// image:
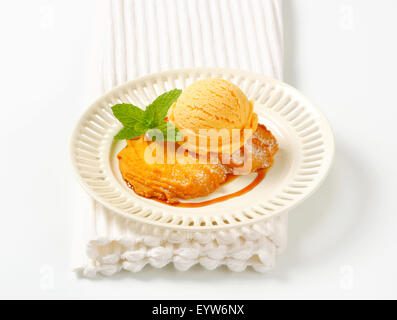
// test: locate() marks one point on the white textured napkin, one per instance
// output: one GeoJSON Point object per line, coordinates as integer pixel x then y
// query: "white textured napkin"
{"type": "Point", "coordinates": [137, 37]}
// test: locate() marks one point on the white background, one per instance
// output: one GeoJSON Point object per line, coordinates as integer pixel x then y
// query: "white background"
{"type": "Point", "coordinates": [340, 53]}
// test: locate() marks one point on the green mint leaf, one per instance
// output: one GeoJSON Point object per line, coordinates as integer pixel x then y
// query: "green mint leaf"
{"type": "Point", "coordinates": [128, 114]}
{"type": "Point", "coordinates": [157, 111]}
{"type": "Point", "coordinates": [131, 132]}
{"type": "Point", "coordinates": [136, 122]}
{"type": "Point", "coordinates": [165, 131]}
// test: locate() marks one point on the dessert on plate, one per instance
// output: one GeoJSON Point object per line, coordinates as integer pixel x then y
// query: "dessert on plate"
{"type": "Point", "coordinates": [187, 144]}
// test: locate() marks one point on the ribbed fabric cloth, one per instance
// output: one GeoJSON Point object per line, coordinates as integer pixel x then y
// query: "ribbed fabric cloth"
{"type": "Point", "coordinates": [148, 36]}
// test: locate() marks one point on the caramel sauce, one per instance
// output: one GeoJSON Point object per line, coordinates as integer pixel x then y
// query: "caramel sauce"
{"type": "Point", "coordinates": [260, 176]}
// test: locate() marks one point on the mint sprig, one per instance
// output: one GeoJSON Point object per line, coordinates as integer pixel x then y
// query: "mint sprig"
{"type": "Point", "coordinates": [137, 122]}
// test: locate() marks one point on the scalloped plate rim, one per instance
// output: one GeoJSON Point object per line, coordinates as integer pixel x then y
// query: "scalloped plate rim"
{"type": "Point", "coordinates": [211, 72]}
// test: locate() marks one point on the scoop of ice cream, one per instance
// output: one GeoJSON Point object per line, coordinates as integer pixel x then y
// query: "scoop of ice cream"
{"type": "Point", "coordinates": [214, 104]}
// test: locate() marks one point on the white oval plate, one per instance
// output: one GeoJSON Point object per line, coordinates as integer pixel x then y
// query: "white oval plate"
{"type": "Point", "coordinates": [306, 150]}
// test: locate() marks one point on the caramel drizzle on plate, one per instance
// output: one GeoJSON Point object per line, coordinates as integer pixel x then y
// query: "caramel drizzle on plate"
{"type": "Point", "coordinates": [260, 176]}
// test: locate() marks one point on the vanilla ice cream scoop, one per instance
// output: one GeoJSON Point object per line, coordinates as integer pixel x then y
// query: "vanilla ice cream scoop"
{"type": "Point", "coordinates": [214, 104]}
